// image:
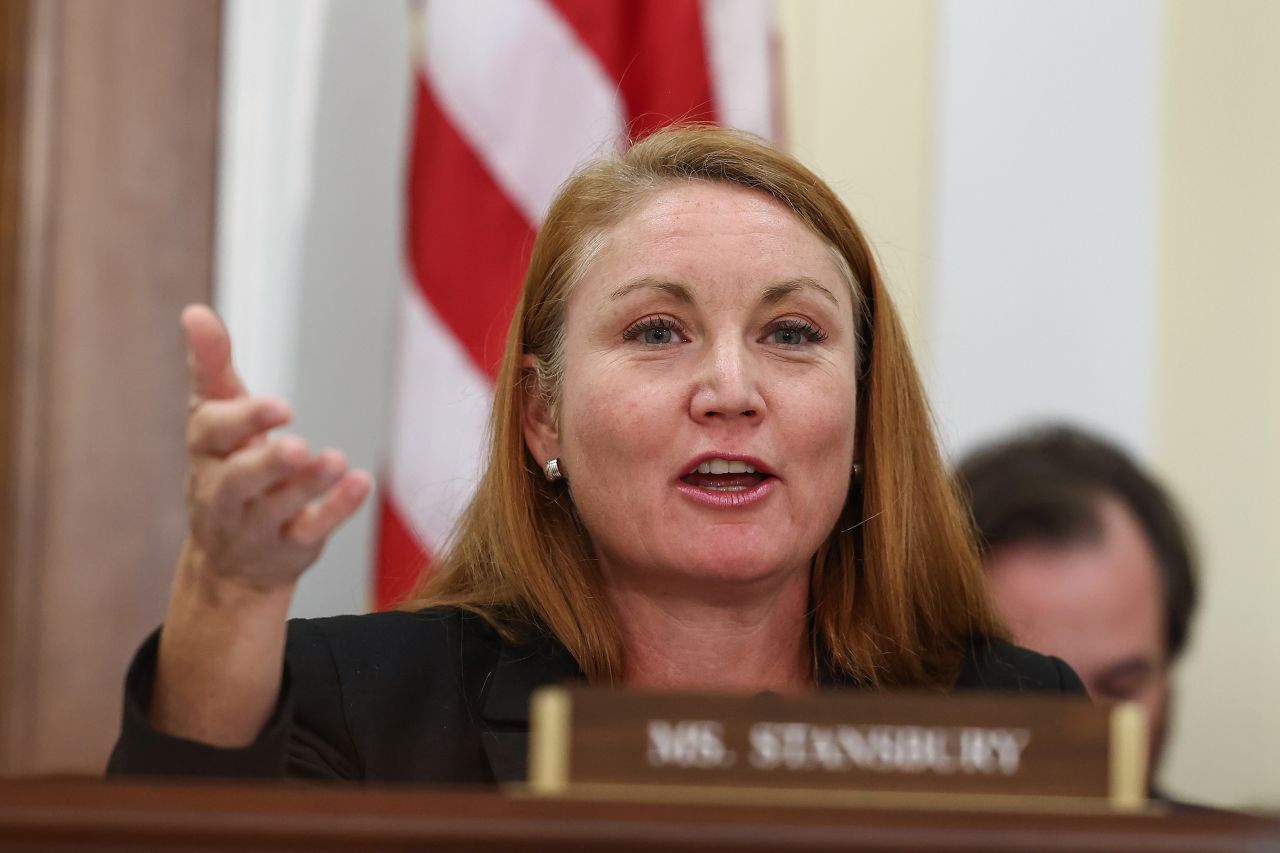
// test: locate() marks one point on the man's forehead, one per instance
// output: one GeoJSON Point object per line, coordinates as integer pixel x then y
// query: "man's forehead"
{"type": "Point", "coordinates": [1101, 597]}
{"type": "Point", "coordinates": [1121, 557]}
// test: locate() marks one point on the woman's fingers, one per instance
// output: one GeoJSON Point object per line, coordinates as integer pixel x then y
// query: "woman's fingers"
{"type": "Point", "coordinates": [218, 427]}
{"type": "Point", "coordinates": [259, 507]}
{"type": "Point", "coordinates": [263, 512]}
{"type": "Point", "coordinates": [318, 519]}
{"type": "Point", "coordinates": [249, 473]}
{"type": "Point", "coordinates": [279, 483]}
{"type": "Point", "coordinates": [287, 499]}
{"type": "Point", "coordinates": [209, 356]}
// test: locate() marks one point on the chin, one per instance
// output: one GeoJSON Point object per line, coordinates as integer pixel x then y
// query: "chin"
{"type": "Point", "coordinates": [736, 565]}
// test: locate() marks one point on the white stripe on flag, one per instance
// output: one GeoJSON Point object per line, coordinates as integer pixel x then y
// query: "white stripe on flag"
{"type": "Point", "coordinates": [740, 37]}
{"type": "Point", "coordinates": [532, 102]}
{"type": "Point", "coordinates": [439, 425]}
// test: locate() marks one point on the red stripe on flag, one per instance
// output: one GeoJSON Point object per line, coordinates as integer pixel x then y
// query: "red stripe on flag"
{"type": "Point", "coordinates": [655, 50]}
{"type": "Point", "coordinates": [468, 244]}
{"type": "Point", "coordinates": [401, 559]}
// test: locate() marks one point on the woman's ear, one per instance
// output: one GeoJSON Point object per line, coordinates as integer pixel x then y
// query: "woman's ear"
{"type": "Point", "coordinates": [541, 432]}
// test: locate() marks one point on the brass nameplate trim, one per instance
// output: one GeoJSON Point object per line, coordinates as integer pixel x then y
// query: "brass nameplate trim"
{"type": "Point", "coordinates": [1128, 758]}
{"type": "Point", "coordinates": [550, 716]}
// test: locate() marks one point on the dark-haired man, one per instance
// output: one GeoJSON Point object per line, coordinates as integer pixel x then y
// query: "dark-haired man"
{"type": "Point", "coordinates": [1087, 559]}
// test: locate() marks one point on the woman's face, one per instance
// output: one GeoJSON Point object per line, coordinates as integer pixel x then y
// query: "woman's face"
{"type": "Point", "coordinates": [706, 417]}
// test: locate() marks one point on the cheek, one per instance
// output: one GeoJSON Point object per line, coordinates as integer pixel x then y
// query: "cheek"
{"type": "Point", "coordinates": [616, 430]}
{"type": "Point", "coordinates": [819, 428]}
{"type": "Point", "coordinates": [616, 437]}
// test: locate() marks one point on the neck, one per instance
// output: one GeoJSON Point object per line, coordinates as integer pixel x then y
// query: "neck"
{"type": "Point", "coordinates": [751, 640]}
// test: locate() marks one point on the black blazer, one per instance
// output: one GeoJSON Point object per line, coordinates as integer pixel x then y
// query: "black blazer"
{"type": "Point", "coordinates": [432, 696]}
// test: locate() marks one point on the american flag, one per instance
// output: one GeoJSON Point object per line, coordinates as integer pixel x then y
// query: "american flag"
{"type": "Point", "coordinates": [512, 96]}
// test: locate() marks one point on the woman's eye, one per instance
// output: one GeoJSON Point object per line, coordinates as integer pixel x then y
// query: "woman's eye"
{"type": "Point", "coordinates": [656, 336]}
{"type": "Point", "coordinates": [794, 333]}
{"type": "Point", "coordinates": [654, 331]}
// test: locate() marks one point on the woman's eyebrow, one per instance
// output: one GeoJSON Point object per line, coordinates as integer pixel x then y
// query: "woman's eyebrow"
{"type": "Point", "coordinates": [775, 293]}
{"type": "Point", "coordinates": [679, 291]}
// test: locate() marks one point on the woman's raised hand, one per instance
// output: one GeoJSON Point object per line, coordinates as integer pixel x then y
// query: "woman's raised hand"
{"type": "Point", "coordinates": [260, 507]}
{"type": "Point", "coordinates": [260, 510]}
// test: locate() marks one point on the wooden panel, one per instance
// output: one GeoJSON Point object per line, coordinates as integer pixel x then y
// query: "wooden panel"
{"type": "Point", "coordinates": [78, 815]}
{"type": "Point", "coordinates": [13, 30]}
{"type": "Point", "coordinates": [117, 207]}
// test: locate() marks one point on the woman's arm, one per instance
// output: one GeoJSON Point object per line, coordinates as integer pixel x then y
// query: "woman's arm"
{"type": "Point", "coordinates": [260, 509]}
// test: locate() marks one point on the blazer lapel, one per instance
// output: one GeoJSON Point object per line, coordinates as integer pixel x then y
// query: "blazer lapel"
{"type": "Point", "coordinates": [519, 671]}
{"type": "Point", "coordinates": [508, 754]}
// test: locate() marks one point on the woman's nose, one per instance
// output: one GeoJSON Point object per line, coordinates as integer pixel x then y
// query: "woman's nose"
{"type": "Point", "coordinates": [727, 387]}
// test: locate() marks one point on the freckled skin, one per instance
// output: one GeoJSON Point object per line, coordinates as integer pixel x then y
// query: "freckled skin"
{"type": "Point", "coordinates": [1098, 606]}
{"type": "Point", "coordinates": [634, 413]}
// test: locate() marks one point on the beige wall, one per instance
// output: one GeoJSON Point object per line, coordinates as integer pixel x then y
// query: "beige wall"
{"type": "Point", "coordinates": [1218, 389]}
{"type": "Point", "coordinates": [858, 79]}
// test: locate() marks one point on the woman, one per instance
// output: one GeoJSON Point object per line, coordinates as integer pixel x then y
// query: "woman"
{"type": "Point", "coordinates": [711, 466]}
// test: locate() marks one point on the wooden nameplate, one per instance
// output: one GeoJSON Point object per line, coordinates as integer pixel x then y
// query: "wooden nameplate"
{"type": "Point", "coordinates": [913, 749]}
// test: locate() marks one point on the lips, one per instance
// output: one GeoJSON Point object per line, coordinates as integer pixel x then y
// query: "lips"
{"type": "Point", "coordinates": [726, 480]}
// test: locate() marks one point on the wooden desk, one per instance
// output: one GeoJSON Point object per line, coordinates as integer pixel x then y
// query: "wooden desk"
{"type": "Point", "coordinates": [91, 815]}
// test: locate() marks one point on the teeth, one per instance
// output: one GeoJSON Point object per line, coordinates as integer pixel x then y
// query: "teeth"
{"type": "Point", "coordinates": [725, 466]}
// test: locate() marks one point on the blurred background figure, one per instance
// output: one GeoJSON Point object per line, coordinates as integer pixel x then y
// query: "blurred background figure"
{"type": "Point", "coordinates": [1087, 559]}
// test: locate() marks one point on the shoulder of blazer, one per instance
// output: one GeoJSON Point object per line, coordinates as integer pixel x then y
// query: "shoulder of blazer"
{"type": "Point", "coordinates": [451, 648]}
{"type": "Point", "coordinates": [443, 645]}
{"type": "Point", "coordinates": [998, 665]}
{"type": "Point", "coordinates": [387, 631]}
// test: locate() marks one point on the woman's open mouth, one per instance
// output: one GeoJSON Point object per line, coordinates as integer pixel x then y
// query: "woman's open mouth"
{"type": "Point", "coordinates": [723, 482]}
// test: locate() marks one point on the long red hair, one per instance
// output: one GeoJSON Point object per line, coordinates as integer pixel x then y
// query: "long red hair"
{"type": "Point", "coordinates": [897, 588]}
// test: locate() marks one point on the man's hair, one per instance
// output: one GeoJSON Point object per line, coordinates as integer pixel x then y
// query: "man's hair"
{"type": "Point", "coordinates": [1044, 486]}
